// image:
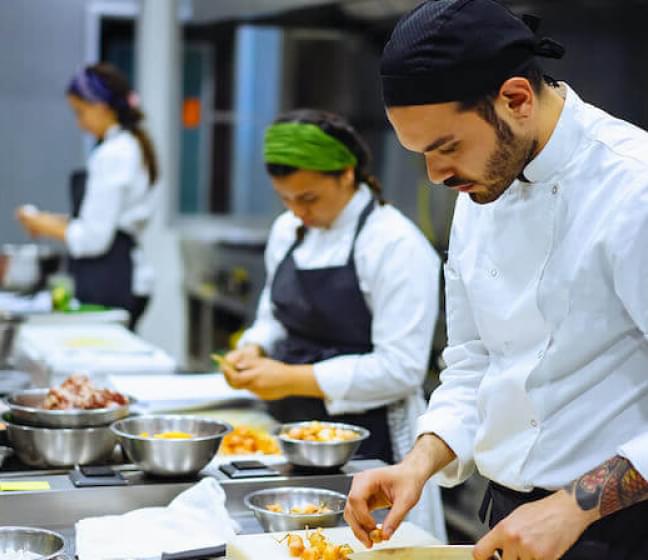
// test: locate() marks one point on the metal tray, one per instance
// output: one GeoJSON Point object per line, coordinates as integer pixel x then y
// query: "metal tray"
{"type": "Point", "coordinates": [25, 409]}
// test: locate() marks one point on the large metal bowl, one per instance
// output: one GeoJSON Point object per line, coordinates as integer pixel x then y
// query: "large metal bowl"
{"type": "Point", "coordinates": [44, 544]}
{"type": "Point", "coordinates": [318, 454]}
{"type": "Point", "coordinates": [288, 497]}
{"type": "Point", "coordinates": [59, 447]}
{"type": "Point", "coordinates": [26, 407]}
{"type": "Point", "coordinates": [170, 457]}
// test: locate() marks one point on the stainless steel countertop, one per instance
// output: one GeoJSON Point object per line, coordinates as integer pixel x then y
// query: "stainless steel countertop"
{"type": "Point", "coordinates": [64, 504]}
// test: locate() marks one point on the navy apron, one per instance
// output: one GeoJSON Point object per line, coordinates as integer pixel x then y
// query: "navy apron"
{"type": "Point", "coordinates": [619, 536]}
{"type": "Point", "coordinates": [325, 314]}
{"type": "Point", "coordinates": [106, 279]}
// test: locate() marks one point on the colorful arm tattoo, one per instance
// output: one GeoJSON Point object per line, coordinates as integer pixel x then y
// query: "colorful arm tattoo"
{"type": "Point", "coordinates": [612, 486]}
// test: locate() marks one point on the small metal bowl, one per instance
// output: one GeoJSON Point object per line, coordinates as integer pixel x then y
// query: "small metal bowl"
{"type": "Point", "coordinates": [59, 447]}
{"type": "Point", "coordinates": [26, 407]}
{"type": "Point", "coordinates": [288, 497]}
{"type": "Point", "coordinates": [319, 454]}
{"type": "Point", "coordinates": [47, 545]}
{"type": "Point", "coordinates": [170, 457]}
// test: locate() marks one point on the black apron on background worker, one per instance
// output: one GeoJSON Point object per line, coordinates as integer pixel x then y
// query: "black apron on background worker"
{"type": "Point", "coordinates": [106, 279]}
{"type": "Point", "coordinates": [325, 315]}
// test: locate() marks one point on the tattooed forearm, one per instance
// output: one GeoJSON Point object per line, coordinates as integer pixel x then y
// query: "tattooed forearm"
{"type": "Point", "coordinates": [612, 486]}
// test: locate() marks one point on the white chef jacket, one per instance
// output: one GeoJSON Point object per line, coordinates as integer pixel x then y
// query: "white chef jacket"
{"type": "Point", "coordinates": [118, 197]}
{"type": "Point", "coordinates": [547, 305]}
{"type": "Point", "coordinates": [398, 273]}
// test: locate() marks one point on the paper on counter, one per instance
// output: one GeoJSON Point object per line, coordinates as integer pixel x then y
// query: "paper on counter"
{"type": "Point", "coordinates": [197, 518]}
{"type": "Point", "coordinates": [156, 393]}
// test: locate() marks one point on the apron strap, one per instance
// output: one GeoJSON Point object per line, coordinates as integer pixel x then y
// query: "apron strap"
{"type": "Point", "coordinates": [361, 222]}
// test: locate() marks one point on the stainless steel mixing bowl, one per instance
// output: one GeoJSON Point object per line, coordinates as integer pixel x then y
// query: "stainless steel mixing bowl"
{"type": "Point", "coordinates": [43, 544]}
{"type": "Point", "coordinates": [170, 457]}
{"type": "Point", "coordinates": [26, 409]}
{"type": "Point", "coordinates": [327, 454]}
{"type": "Point", "coordinates": [59, 447]}
{"type": "Point", "coordinates": [288, 497]}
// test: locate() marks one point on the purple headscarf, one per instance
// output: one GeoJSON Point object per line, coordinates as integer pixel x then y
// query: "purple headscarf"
{"type": "Point", "coordinates": [89, 86]}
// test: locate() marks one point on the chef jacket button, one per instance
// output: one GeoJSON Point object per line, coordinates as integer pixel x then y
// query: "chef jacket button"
{"type": "Point", "coordinates": [555, 189]}
{"type": "Point", "coordinates": [534, 423]}
{"type": "Point", "coordinates": [493, 272]}
{"type": "Point", "coordinates": [540, 354]}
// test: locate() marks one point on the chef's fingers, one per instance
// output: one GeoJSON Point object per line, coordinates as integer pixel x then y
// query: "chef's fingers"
{"type": "Point", "coordinates": [399, 509]}
{"type": "Point", "coordinates": [491, 543]}
{"type": "Point", "coordinates": [365, 489]}
{"type": "Point", "coordinates": [234, 356]}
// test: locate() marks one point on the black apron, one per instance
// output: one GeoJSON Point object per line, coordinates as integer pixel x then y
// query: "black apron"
{"type": "Point", "coordinates": [620, 536]}
{"type": "Point", "coordinates": [325, 314]}
{"type": "Point", "coordinates": [106, 279]}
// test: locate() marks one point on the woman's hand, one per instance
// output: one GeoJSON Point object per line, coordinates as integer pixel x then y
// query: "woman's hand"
{"type": "Point", "coordinates": [249, 351]}
{"type": "Point", "coordinates": [42, 224]}
{"type": "Point", "coordinates": [268, 379]}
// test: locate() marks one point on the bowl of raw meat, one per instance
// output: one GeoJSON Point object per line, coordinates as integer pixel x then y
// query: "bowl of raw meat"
{"type": "Point", "coordinates": [74, 404]}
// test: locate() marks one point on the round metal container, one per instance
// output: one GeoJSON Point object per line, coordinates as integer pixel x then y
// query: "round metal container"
{"type": "Point", "coordinates": [170, 457]}
{"type": "Point", "coordinates": [46, 544]}
{"type": "Point", "coordinates": [26, 408]}
{"type": "Point", "coordinates": [288, 497]}
{"type": "Point", "coordinates": [59, 447]}
{"type": "Point", "coordinates": [319, 454]}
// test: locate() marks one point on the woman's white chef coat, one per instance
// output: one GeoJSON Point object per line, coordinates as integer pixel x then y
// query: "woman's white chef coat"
{"type": "Point", "coordinates": [118, 196]}
{"type": "Point", "coordinates": [547, 357]}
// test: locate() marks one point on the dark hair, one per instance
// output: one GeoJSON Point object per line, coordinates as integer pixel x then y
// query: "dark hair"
{"type": "Point", "coordinates": [337, 127]}
{"type": "Point", "coordinates": [118, 96]}
{"type": "Point", "coordinates": [483, 104]}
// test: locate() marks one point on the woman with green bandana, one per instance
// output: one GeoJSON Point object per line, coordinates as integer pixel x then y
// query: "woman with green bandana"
{"type": "Point", "coordinates": [345, 323]}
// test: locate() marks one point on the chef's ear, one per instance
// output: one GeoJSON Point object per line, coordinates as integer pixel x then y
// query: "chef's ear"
{"type": "Point", "coordinates": [518, 97]}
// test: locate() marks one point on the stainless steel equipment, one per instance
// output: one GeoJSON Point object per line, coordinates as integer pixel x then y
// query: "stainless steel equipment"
{"type": "Point", "coordinates": [322, 454]}
{"type": "Point", "coordinates": [170, 457]}
{"type": "Point", "coordinates": [289, 497]}
{"type": "Point", "coordinates": [25, 407]}
{"type": "Point", "coordinates": [5, 453]}
{"type": "Point", "coordinates": [39, 544]}
{"type": "Point", "coordinates": [42, 447]}
{"type": "Point", "coordinates": [25, 267]}
{"type": "Point", "coordinates": [8, 325]}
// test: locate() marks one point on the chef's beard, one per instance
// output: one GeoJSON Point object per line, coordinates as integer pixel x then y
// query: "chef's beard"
{"type": "Point", "coordinates": [507, 162]}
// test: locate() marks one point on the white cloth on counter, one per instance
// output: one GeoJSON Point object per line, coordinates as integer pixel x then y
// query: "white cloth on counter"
{"type": "Point", "coordinates": [118, 197]}
{"type": "Point", "coordinates": [398, 272]}
{"type": "Point", "coordinates": [547, 358]}
{"type": "Point", "coordinates": [197, 518]}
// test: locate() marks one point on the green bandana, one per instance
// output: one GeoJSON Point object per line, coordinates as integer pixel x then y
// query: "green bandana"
{"type": "Point", "coordinates": [305, 146]}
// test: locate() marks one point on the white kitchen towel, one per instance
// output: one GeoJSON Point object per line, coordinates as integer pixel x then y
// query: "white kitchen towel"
{"type": "Point", "coordinates": [197, 518]}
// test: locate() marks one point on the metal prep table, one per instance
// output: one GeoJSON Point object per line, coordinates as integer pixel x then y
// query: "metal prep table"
{"type": "Point", "coordinates": [64, 504]}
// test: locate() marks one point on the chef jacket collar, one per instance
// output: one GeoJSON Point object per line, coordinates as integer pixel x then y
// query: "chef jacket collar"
{"type": "Point", "coordinates": [112, 131]}
{"type": "Point", "coordinates": [553, 158]}
{"type": "Point", "coordinates": [353, 209]}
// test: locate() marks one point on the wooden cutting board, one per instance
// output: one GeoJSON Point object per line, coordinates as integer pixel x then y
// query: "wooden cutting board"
{"type": "Point", "coordinates": [265, 546]}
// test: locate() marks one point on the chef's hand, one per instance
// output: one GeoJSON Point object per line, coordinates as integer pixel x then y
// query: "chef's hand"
{"type": "Point", "coordinates": [268, 379]}
{"type": "Point", "coordinates": [40, 224]}
{"type": "Point", "coordinates": [398, 487]}
{"type": "Point", "coordinates": [541, 530]}
{"type": "Point", "coordinates": [248, 351]}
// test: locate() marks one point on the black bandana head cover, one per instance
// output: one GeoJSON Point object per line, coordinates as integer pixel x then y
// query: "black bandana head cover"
{"type": "Point", "coordinates": [455, 50]}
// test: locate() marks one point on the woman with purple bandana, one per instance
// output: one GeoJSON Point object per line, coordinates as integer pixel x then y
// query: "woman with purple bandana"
{"type": "Point", "coordinates": [112, 201]}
